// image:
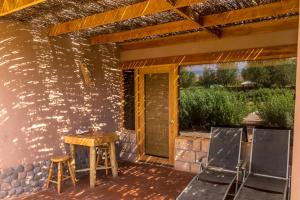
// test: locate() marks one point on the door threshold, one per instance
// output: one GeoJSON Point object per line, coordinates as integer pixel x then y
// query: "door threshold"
{"type": "Point", "coordinates": [155, 160]}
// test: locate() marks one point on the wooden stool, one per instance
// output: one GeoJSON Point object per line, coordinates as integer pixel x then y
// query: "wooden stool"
{"type": "Point", "coordinates": [60, 160]}
{"type": "Point", "coordinates": [103, 153]}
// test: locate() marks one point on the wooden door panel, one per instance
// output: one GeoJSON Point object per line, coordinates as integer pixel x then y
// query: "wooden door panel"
{"type": "Point", "coordinates": [157, 114]}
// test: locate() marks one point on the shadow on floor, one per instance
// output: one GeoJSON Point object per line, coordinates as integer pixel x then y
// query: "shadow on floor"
{"type": "Point", "coordinates": [135, 181]}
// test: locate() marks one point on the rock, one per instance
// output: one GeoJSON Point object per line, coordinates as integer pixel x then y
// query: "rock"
{"type": "Point", "coordinates": [36, 170]}
{"type": "Point", "coordinates": [29, 175]}
{"type": "Point", "coordinates": [47, 163]}
{"type": "Point", "coordinates": [7, 172]}
{"type": "Point", "coordinates": [19, 168]}
{"type": "Point", "coordinates": [7, 179]}
{"type": "Point", "coordinates": [5, 186]}
{"type": "Point", "coordinates": [37, 177]}
{"type": "Point", "coordinates": [37, 164]}
{"type": "Point", "coordinates": [36, 189]}
{"type": "Point", "coordinates": [3, 194]}
{"type": "Point", "coordinates": [27, 189]}
{"type": "Point", "coordinates": [14, 175]}
{"type": "Point", "coordinates": [15, 183]}
{"type": "Point", "coordinates": [19, 190]}
{"type": "Point", "coordinates": [11, 192]}
{"type": "Point", "coordinates": [22, 175]}
{"type": "Point", "coordinates": [28, 167]}
{"type": "Point", "coordinates": [23, 183]}
{"type": "Point", "coordinates": [34, 183]}
{"type": "Point", "coordinates": [41, 183]}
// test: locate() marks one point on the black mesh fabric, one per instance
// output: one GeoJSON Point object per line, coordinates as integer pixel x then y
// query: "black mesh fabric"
{"type": "Point", "coordinates": [270, 152]}
{"type": "Point", "coordinates": [202, 190]}
{"type": "Point", "coordinates": [266, 184]}
{"type": "Point", "coordinates": [224, 150]}
{"type": "Point", "coordinates": [217, 177]}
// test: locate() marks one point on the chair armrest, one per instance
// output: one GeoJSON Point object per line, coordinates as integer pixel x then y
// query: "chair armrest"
{"type": "Point", "coordinates": [202, 165]}
{"type": "Point", "coordinates": [242, 164]}
{"type": "Point", "coordinates": [201, 159]}
{"type": "Point", "coordinates": [241, 167]}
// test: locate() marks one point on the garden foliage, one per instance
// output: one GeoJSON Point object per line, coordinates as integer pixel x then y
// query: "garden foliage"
{"type": "Point", "coordinates": [201, 108]}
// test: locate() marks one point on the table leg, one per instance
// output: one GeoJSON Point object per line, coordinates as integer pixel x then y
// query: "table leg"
{"type": "Point", "coordinates": [73, 161]}
{"type": "Point", "coordinates": [92, 167]}
{"type": "Point", "coordinates": [113, 160]}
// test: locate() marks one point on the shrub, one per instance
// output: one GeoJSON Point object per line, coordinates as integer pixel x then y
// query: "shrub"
{"type": "Point", "coordinates": [204, 108]}
{"type": "Point", "coordinates": [278, 111]}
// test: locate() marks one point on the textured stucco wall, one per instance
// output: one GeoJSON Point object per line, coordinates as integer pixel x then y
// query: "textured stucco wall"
{"type": "Point", "coordinates": [42, 93]}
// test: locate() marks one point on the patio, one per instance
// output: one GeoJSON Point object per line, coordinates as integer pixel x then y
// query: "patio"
{"type": "Point", "coordinates": [135, 181]}
{"type": "Point", "coordinates": [83, 82]}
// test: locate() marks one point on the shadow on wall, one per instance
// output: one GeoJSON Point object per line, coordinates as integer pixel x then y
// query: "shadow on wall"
{"type": "Point", "coordinates": [43, 95]}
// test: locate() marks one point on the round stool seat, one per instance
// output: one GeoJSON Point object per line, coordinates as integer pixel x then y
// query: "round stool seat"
{"type": "Point", "coordinates": [61, 158]}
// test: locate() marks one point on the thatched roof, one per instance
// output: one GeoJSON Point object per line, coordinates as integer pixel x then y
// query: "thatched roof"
{"type": "Point", "coordinates": [57, 11]}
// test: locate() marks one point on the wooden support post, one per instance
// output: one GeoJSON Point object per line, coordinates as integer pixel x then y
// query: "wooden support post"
{"type": "Point", "coordinates": [113, 160]}
{"type": "Point", "coordinates": [92, 167]}
{"type": "Point", "coordinates": [296, 146]}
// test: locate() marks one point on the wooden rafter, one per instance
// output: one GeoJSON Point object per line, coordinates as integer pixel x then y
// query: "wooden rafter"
{"type": "Point", "coordinates": [252, 54]}
{"type": "Point", "coordinates": [247, 29]}
{"type": "Point", "coordinates": [144, 32]}
{"type": "Point", "coordinates": [120, 14]}
{"type": "Point", "coordinates": [10, 6]}
{"type": "Point", "coordinates": [267, 10]}
{"type": "Point", "coordinates": [187, 13]}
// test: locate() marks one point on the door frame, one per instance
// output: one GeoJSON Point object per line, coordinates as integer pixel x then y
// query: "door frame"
{"type": "Point", "coordinates": [139, 82]}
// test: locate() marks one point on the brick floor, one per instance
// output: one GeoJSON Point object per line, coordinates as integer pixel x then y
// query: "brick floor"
{"type": "Point", "coordinates": [135, 181]}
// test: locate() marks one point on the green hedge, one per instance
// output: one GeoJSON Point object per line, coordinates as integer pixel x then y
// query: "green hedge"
{"type": "Point", "coordinates": [203, 108]}
{"type": "Point", "coordinates": [278, 111]}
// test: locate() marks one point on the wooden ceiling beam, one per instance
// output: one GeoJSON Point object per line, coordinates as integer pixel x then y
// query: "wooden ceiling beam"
{"type": "Point", "coordinates": [120, 14]}
{"type": "Point", "coordinates": [10, 6]}
{"type": "Point", "coordinates": [209, 22]}
{"type": "Point", "coordinates": [266, 10]}
{"type": "Point", "coordinates": [160, 29]}
{"type": "Point", "coordinates": [232, 31]}
{"type": "Point", "coordinates": [264, 53]}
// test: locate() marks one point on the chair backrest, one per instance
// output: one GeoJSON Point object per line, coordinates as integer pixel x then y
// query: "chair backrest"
{"type": "Point", "coordinates": [225, 147]}
{"type": "Point", "coordinates": [270, 152]}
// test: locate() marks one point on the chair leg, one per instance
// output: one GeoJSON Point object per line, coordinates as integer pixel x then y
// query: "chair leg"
{"type": "Point", "coordinates": [98, 157]}
{"type": "Point", "coordinates": [49, 175]}
{"type": "Point", "coordinates": [59, 177]}
{"type": "Point", "coordinates": [106, 161]}
{"type": "Point", "coordinates": [72, 173]}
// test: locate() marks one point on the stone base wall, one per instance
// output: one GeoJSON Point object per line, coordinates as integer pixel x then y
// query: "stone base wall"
{"type": "Point", "coordinates": [128, 149]}
{"type": "Point", "coordinates": [30, 178]}
{"type": "Point", "coordinates": [23, 179]}
{"type": "Point", "coordinates": [188, 151]}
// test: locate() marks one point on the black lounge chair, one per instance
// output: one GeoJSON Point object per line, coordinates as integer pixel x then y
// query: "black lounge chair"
{"type": "Point", "coordinates": [219, 175]}
{"type": "Point", "coordinates": [268, 177]}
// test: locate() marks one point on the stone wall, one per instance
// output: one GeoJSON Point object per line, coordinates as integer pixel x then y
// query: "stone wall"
{"type": "Point", "coordinates": [23, 179]}
{"type": "Point", "coordinates": [128, 149]}
{"type": "Point", "coordinates": [188, 151]}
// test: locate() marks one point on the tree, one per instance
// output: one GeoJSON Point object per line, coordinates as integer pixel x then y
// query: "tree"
{"type": "Point", "coordinates": [259, 75]}
{"type": "Point", "coordinates": [275, 74]}
{"type": "Point", "coordinates": [208, 77]}
{"type": "Point", "coordinates": [187, 78]}
{"type": "Point", "coordinates": [226, 77]}
{"type": "Point", "coordinates": [283, 75]}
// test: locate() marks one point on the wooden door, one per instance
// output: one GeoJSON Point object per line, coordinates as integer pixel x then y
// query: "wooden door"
{"type": "Point", "coordinates": [156, 92]}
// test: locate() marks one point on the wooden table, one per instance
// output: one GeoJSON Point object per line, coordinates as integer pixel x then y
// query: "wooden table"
{"type": "Point", "coordinates": [92, 140]}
